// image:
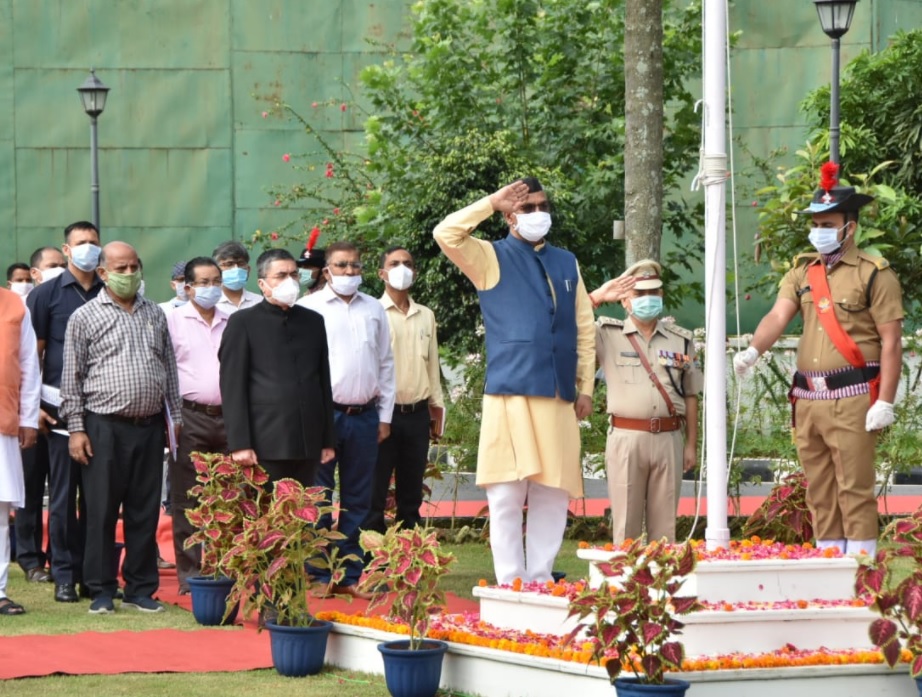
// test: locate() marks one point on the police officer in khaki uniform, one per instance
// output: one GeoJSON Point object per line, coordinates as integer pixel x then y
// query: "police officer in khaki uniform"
{"type": "Point", "coordinates": [646, 454]}
{"type": "Point", "coordinates": [848, 366]}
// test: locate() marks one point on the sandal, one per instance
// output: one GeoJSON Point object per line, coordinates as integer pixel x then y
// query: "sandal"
{"type": "Point", "coordinates": [8, 607]}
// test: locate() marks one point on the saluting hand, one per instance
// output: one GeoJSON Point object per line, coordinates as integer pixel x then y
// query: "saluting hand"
{"type": "Point", "coordinates": [613, 291]}
{"type": "Point", "coordinates": [506, 199]}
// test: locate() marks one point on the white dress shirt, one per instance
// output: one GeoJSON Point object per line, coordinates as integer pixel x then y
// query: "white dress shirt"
{"type": "Point", "coordinates": [361, 361]}
{"type": "Point", "coordinates": [248, 299]}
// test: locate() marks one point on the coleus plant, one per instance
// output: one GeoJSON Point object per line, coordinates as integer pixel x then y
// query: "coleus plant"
{"type": "Point", "coordinates": [784, 515]}
{"type": "Point", "coordinates": [406, 567]}
{"type": "Point", "coordinates": [893, 582]}
{"type": "Point", "coordinates": [632, 617]}
{"type": "Point", "coordinates": [227, 494]}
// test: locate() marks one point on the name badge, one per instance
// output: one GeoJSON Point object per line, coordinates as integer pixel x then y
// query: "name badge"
{"type": "Point", "coordinates": [629, 354]}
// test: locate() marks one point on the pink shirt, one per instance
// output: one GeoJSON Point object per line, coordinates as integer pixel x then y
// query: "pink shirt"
{"type": "Point", "coordinates": [196, 344]}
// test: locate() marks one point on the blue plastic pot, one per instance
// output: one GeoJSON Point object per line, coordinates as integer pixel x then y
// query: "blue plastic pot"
{"type": "Point", "coordinates": [413, 673]}
{"type": "Point", "coordinates": [299, 651]}
{"type": "Point", "coordinates": [632, 687]}
{"type": "Point", "coordinates": [209, 600]}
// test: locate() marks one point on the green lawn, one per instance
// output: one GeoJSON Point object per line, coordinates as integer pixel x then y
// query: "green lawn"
{"type": "Point", "coordinates": [44, 616]}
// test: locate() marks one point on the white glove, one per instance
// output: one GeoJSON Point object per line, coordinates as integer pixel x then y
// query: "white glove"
{"type": "Point", "coordinates": [744, 360]}
{"type": "Point", "coordinates": [880, 415]}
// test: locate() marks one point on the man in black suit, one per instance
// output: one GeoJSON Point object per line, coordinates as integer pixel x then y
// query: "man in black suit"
{"type": "Point", "coordinates": [275, 378]}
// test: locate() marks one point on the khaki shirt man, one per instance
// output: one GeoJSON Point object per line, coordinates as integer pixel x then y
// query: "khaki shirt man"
{"type": "Point", "coordinates": [645, 453]}
{"type": "Point", "coordinates": [840, 407]}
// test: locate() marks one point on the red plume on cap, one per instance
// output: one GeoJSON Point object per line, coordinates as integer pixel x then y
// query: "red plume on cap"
{"type": "Point", "coordinates": [829, 177]}
{"type": "Point", "coordinates": [312, 240]}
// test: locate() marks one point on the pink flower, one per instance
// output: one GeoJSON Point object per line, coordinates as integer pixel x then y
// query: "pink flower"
{"type": "Point", "coordinates": [329, 174]}
{"type": "Point", "coordinates": [314, 105]}
{"type": "Point", "coordinates": [342, 107]}
{"type": "Point", "coordinates": [325, 221]}
{"type": "Point", "coordinates": [274, 236]}
{"type": "Point", "coordinates": [748, 296]}
{"type": "Point", "coordinates": [265, 114]}
{"type": "Point", "coordinates": [755, 204]}
{"type": "Point", "coordinates": [336, 211]}
{"type": "Point", "coordinates": [286, 157]}
{"type": "Point", "coordinates": [277, 203]}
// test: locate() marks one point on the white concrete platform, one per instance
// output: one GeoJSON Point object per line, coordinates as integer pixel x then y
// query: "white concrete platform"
{"type": "Point", "coordinates": [757, 580]}
{"type": "Point", "coordinates": [491, 673]}
{"type": "Point", "coordinates": [707, 632]}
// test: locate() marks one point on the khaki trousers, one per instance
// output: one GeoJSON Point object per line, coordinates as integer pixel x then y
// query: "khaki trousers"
{"type": "Point", "coordinates": [644, 482]}
{"type": "Point", "coordinates": [837, 455]}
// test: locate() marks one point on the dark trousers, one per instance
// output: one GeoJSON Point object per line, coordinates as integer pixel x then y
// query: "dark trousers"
{"type": "Point", "coordinates": [200, 433]}
{"type": "Point", "coordinates": [356, 454]}
{"type": "Point", "coordinates": [302, 471]}
{"type": "Point", "coordinates": [30, 524]}
{"type": "Point", "coordinates": [66, 511]}
{"type": "Point", "coordinates": [126, 470]}
{"type": "Point", "coordinates": [404, 455]}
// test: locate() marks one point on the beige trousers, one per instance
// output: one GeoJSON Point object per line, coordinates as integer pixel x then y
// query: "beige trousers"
{"type": "Point", "coordinates": [837, 455]}
{"type": "Point", "coordinates": [644, 482]}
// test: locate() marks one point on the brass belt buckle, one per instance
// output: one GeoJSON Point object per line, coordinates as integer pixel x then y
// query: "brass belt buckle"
{"type": "Point", "coordinates": [655, 425]}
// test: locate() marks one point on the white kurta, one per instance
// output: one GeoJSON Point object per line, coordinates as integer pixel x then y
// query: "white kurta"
{"type": "Point", "coordinates": [12, 488]}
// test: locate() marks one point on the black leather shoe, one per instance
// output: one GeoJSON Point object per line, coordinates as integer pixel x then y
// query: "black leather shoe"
{"type": "Point", "coordinates": [65, 593]}
{"type": "Point", "coordinates": [38, 575]}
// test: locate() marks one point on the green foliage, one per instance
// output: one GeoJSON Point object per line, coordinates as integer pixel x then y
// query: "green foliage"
{"type": "Point", "coordinates": [880, 111]}
{"type": "Point", "coordinates": [405, 569]}
{"type": "Point", "coordinates": [632, 617]}
{"type": "Point", "coordinates": [490, 91]}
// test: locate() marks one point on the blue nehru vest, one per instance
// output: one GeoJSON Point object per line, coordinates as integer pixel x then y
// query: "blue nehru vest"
{"type": "Point", "coordinates": [531, 343]}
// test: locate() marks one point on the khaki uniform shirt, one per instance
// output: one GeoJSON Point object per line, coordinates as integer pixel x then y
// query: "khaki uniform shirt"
{"type": "Point", "coordinates": [858, 311]}
{"type": "Point", "coordinates": [416, 353]}
{"type": "Point", "coordinates": [631, 392]}
{"type": "Point", "coordinates": [516, 438]}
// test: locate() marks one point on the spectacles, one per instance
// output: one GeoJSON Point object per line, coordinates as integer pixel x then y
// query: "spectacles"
{"type": "Point", "coordinates": [231, 263]}
{"type": "Point", "coordinates": [357, 265]}
{"type": "Point", "coordinates": [543, 206]}
{"type": "Point", "coordinates": [206, 284]}
{"type": "Point", "coordinates": [282, 276]}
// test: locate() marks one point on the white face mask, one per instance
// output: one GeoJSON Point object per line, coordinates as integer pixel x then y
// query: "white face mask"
{"type": "Point", "coordinates": [826, 239]}
{"type": "Point", "coordinates": [180, 288]}
{"type": "Point", "coordinates": [400, 277]}
{"type": "Point", "coordinates": [533, 226]}
{"type": "Point", "coordinates": [286, 292]}
{"type": "Point", "coordinates": [53, 272]}
{"type": "Point", "coordinates": [22, 289]}
{"type": "Point", "coordinates": [345, 285]}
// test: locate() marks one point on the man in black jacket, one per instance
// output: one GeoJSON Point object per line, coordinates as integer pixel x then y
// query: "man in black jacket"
{"type": "Point", "coordinates": [275, 378]}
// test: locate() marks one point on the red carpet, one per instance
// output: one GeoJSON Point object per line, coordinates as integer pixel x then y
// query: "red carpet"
{"type": "Point", "coordinates": [160, 650]}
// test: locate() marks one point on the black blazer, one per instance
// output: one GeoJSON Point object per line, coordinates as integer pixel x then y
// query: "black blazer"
{"type": "Point", "coordinates": [275, 383]}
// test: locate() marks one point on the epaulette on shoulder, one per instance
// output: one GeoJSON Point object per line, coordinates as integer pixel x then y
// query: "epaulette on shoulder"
{"type": "Point", "coordinates": [603, 322]}
{"type": "Point", "coordinates": [805, 258]}
{"type": "Point", "coordinates": [676, 329]}
{"type": "Point", "coordinates": [875, 259]}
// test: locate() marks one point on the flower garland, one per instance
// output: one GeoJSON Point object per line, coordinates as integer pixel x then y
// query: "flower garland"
{"type": "Point", "coordinates": [751, 549]}
{"type": "Point", "coordinates": [466, 628]}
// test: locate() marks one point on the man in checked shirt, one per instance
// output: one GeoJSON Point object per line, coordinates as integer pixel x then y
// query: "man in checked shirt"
{"type": "Point", "coordinates": [119, 374]}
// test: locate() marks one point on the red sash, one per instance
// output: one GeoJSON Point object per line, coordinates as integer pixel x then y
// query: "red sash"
{"type": "Point", "coordinates": [825, 313]}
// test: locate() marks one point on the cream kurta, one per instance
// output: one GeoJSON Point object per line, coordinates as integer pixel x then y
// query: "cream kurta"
{"type": "Point", "coordinates": [522, 437]}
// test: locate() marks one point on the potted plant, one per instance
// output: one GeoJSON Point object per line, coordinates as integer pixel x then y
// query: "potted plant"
{"type": "Point", "coordinates": [631, 618]}
{"type": "Point", "coordinates": [227, 494]}
{"type": "Point", "coordinates": [268, 563]}
{"type": "Point", "coordinates": [893, 581]}
{"type": "Point", "coordinates": [784, 515]}
{"type": "Point", "coordinates": [405, 568]}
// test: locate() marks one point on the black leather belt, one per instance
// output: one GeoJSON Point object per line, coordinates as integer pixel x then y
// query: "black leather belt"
{"type": "Point", "coordinates": [353, 409]}
{"type": "Point", "coordinates": [411, 408]}
{"type": "Point", "coordinates": [847, 378]}
{"type": "Point", "coordinates": [210, 409]}
{"type": "Point", "coordinates": [133, 420]}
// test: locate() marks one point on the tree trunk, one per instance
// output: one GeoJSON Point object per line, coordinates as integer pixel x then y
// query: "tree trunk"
{"type": "Point", "coordinates": [643, 116]}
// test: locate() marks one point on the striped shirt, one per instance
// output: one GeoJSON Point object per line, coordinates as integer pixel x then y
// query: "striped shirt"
{"type": "Point", "coordinates": [118, 362]}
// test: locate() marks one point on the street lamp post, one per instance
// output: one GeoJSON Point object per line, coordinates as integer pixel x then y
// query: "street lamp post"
{"type": "Point", "coordinates": [93, 94]}
{"type": "Point", "coordinates": [835, 18]}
